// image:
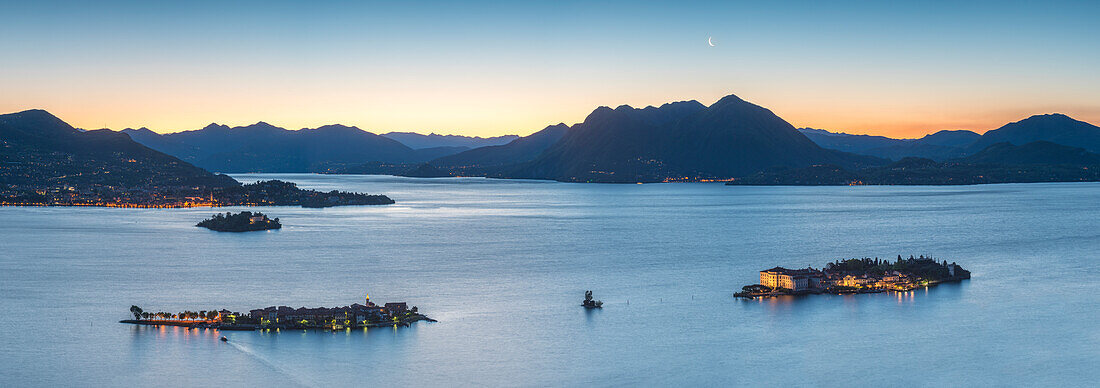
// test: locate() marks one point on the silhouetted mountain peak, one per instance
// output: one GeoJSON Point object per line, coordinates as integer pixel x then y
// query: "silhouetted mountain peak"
{"type": "Point", "coordinates": [335, 128]}
{"type": "Point", "coordinates": [142, 131]}
{"type": "Point", "coordinates": [731, 113]}
{"type": "Point", "coordinates": [728, 139]}
{"type": "Point", "coordinates": [604, 113]}
{"type": "Point", "coordinates": [1054, 127]}
{"type": "Point", "coordinates": [36, 122]}
{"type": "Point", "coordinates": [215, 127]}
{"type": "Point", "coordinates": [670, 112]}
{"type": "Point", "coordinates": [35, 115]}
{"type": "Point", "coordinates": [260, 125]}
{"type": "Point", "coordinates": [733, 106]}
{"type": "Point", "coordinates": [1045, 121]}
{"type": "Point", "coordinates": [689, 104]}
{"type": "Point", "coordinates": [950, 138]}
{"type": "Point", "coordinates": [825, 132]}
{"type": "Point", "coordinates": [649, 115]}
{"type": "Point", "coordinates": [1049, 117]}
{"type": "Point", "coordinates": [728, 100]}
{"type": "Point", "coordinates": [948, 132]}
{"type": "Point", "coordinates": [437, 141]}
{"type": "Point", "coordinates": [31, 114]}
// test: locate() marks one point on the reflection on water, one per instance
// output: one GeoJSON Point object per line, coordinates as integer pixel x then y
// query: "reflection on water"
{"type": "Point", "coordinates": [934, 294]}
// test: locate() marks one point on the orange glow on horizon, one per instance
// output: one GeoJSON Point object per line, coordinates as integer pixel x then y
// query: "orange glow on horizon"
{"type": "Point", "coordinates": [509, 114]}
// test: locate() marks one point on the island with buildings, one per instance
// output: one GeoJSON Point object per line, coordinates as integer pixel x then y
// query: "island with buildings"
{"type": "Point", "coordinates": [245, 221]}
{"type": "Point", "coordinates": [852, 276]}
{"type": "Point", "coordinates": [282, 317]}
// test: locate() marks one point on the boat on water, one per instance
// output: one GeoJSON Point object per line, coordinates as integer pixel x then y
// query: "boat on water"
{"type": "Point", "coordinates": [225, 339]}
{"type": "Point", "coordinates": [589, 303]}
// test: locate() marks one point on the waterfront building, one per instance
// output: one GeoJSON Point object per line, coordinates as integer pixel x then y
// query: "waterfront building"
{"type": "Point", "coordinates": [792, 279]}
{"type": "Point", "coordinates": [224, 314]}
{"type": "Point", "coordinates": [356, 313]}
{"type": "Point", "coordinates": [854, 281]}
{"type": "Point", "coordinates": [396, 308]}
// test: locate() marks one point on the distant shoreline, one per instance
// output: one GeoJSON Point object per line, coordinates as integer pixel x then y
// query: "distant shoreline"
{"type": "Point", "coordinates": [261, 193]}
{"type": "Point", "coordinates": [724, 181]}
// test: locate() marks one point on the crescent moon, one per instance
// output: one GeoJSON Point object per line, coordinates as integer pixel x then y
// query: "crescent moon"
{"type": "Point", "coordinates": [710, 41]}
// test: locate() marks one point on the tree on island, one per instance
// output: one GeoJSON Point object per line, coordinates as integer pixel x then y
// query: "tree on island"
{"type": "Point", "coordinates": [925, 268]}
{"type": "Point", "coordinates": [136, 311]}
{"type": "Point", "coordinates": [242, 222]}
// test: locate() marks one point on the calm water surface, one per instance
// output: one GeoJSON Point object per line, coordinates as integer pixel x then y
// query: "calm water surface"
{"type": "Point", "coordinates": [503, 266]}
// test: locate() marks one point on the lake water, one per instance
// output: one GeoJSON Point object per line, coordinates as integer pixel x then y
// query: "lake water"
{"type": "Point", "coordinates": [503, 266]}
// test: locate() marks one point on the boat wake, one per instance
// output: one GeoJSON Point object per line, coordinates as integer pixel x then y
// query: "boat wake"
{"type": "Point", "coordinates": [244, 348]}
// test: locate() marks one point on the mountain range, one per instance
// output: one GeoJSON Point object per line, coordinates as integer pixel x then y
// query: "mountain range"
{"type": "Point", "coordinates": [263, 147]}
{"type": "Point", "coordinates": [678, 141]}
{"type": "Point", "coordinates": [1055, 128]}
{"type": "Point", "coordinates": [945, 145]}
{"type": "Point", "coordinates": [45, 161]}
{"type": "Point", "coordinates": [1037, 161]}
{"type": "Point", "coordinates": [418, 141]}
{"type": "Point", "coordinates": [681, 140]}
{"type": "Point", "coordinates": [37, 149]}
{"type": "Point", "coordinates": [494, 160]}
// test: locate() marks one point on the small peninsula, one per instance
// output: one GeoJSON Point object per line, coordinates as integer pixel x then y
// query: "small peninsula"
{"type": "Point", "coordinates": [855, 276]}
{"type": "Point", "coordinates": [245, 221]}
{"type": "Point", "coordinates": [355, 316]}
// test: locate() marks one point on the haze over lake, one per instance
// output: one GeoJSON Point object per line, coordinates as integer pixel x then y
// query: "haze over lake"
{"type": "Point", "coordinates": [503, 266]}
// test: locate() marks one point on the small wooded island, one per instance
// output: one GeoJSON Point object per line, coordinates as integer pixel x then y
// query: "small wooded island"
{"type": "Point", "coordinates": [855, 276]}
{"type": "Point", "coordinates": [245, 221]}
{"type": "Point", "coordinates": [283, 317]}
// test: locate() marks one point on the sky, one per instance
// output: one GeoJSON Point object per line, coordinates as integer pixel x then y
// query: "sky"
{"type": "Point", "coordinates": [491, 68]}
